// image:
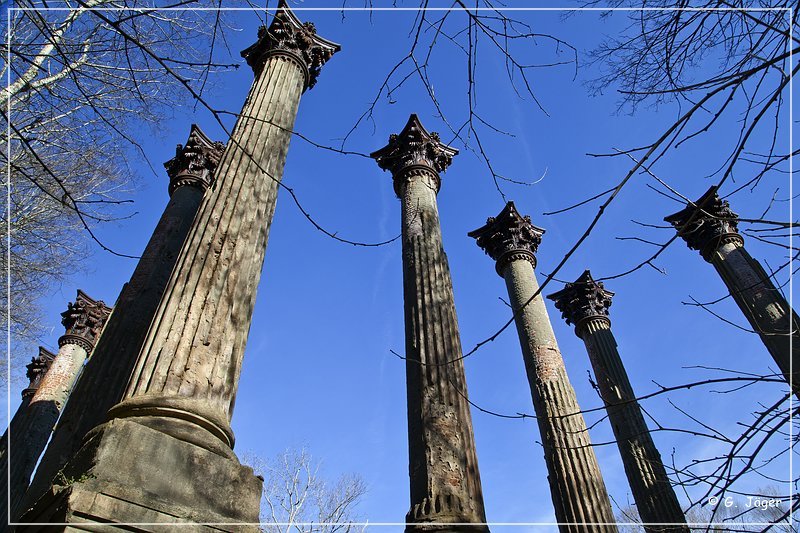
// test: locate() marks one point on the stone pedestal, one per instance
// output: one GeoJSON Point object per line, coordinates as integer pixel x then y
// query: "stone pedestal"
{"type": "Point", "coordinates": [107, 373]}
{"type": "Point", "coordinates": [126, 472]}
{"type": "Point", "coordinates": [585, 303]}
{"type": "Point", "coordinates": [710, 227]}
{"type": "Point", "coordinates": [443, 466]}
{"type": "Point", "coordinates": [576, 485]}
{"type": "Point", "coordinates": [83, 320]}
{"type": "Point", "coordinates": [180, 396]}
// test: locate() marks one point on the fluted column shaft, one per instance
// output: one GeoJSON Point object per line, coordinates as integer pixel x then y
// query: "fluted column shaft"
{"type": "Point", "coordinates": [445, 482]}
{"type": "Point", "coordinates": [443, 465]}
{"type": "Point", "coordinates": [763, 305]}
{"type": "Point", "coordinates": [84, 320]}
{"type": "Point", "coordinates": [23, 429]}
{"type": "Point", "coordinates": [20, 429]}
{"type": "Point", "coordinates": [191, 358]}
{"type": "Point", "coordinates": [165, 452]}
{"type": "Point", "coordinates": [655, 499]}
{"type": "Point", "coordinates": [107, 373]}
{"type": "Point", "coordinates": [711, 227]}
{"type": "Point", "coordinates": [42, 414]}
{"type": "Point", "coordinates": [576, 484]}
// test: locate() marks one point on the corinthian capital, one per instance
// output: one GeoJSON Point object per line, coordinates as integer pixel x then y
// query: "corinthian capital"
{"type": "Point", "coordinates": [414, 148]}
{"type": "Point", "coordinates": [582, 299]}
{"type": "Point", "coordinates": [195, 162]}
{"type": "Point", "coordinates": [36, 370]}
{"type": "Point", "coordinates": [707, 224]}
{"type": "Point", "coordinates": [286, 35]}
{"type": "Point", "coordinates": [509, 236]}
{"type": "Point", "coordinates": [83, 321]}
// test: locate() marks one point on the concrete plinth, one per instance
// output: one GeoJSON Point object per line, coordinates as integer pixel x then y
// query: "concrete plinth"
{"type": "Point", "coordinates": [126, 469]}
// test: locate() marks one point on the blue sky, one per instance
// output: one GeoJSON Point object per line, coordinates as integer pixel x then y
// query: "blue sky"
{"type": "Point", "coordinates": [318, 371]}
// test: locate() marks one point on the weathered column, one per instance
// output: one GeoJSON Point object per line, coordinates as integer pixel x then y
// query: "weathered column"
{"type": "Point", "coordinates": [585, 304]}
{"type": "Point", "coordinates": [576, 485]}
{"type": "Point", "coordinates": [443, 466]}
{"type": "Point", "coordinates": [106, 375]}
{"type": "Point", "coordinates": [710, 227]}
{"type": "Point", "coordinates": [19, 427]}
{"type": "Point", "coordinates": [83, 320]}
{"type": "Point", "coordinates": [165, 455]}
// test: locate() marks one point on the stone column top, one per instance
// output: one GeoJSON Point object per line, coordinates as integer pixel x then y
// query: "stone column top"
{"type": "Point", "coordinates": [707, 224]}
{"type": "Point", "coordinates": [287, 36]}
{"type": "Point", "coordinates": [414, 148]}
{"type": "Point", "coordinates": [509, 237]}
{"type": "Point", "coordinates": [83, 321]}
{"type": "Point", "coordinates": [194, 163]}
{"type": "Point", "coordinates": [582, 300]}
{"type": "Point", "coordinates": [36, 370]}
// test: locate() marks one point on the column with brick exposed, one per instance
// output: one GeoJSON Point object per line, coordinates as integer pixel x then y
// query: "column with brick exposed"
{"type": "Point", "coordinates": [18, 427]}
{"type": "Point", "coordinates": [83, 320]}
{"type": "Point", "coordinates": [106, 375]}
{"type": "Point", "coordinates": [576, 485]}
{"type": "Point", "coordinates": [443, 466]}
{"type": "Point", "coordinates": [165, 455]}
{"type": "Point", "coordinates": [585, 304]}
{"type": "Point", "coordinates": [709, 226]}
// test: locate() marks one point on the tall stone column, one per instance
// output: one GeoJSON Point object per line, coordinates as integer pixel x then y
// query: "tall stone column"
{"type": "Point", "coordinates": [576, 485]}
{"type": "Point", "coordinates": [585, 304]}
{"type": "Point", "coordinates": [710, 227]}
{"type": "Point", "coordinates": [83, 320]}
{"type": "Point", "coordinates": [106, 375]}
{"type": "Point", "coordinates": [165, 455]}
{"type": "Point", "coordinates": [443, 466]}
{"type": "Point", "coordinates": [19, 427]}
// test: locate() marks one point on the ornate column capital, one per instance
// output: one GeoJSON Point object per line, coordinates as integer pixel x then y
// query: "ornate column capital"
{"type": "Point", "coordinates": [581, 300]}
{"type": "Point", "coordinates": [83, 321]}
{"type": "Point", "coordinates": [289, 37]}
{"type": "Point", "coordinates": [707, 224]}
{"type": "Point", "coordinates": [194, 163]}
{"type": "Point", "coordinates": [508, 237]}
{"type": "Point", "coordinates": [412, 151]}
{"type": "Point", "coordinates": [36, 370]}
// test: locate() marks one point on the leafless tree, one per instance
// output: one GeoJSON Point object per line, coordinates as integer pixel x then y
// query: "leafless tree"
{"type": "Point", "coordinates": [727, 66]}
{"type": "Point", "coordinates": [297, 498]}
{"type": "Point", "coordinates": [79, 81]}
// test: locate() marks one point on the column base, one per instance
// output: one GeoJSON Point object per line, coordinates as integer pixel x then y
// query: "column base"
{"type": "Point", "coordinates": [127, 473]}
{"type": "Point", "coordinates": [443, 514]}
{"type": "Point", "coordinates": [446, 528]}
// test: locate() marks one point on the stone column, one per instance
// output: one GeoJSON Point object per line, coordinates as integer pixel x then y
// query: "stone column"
{"type": "Point", "coordinates": [443, 466]}
{"type": "Point", "coordinates": [165, 455]}
{"type": "Point", "coordinates": [35, 372]}
{"type": "Point", "coordinates": [585, 303]}
{"type": "Point", "coordinates": [83, 320]}
{"type": "Point", "coordinates": [19, 427]}
{"type": "Point", "coordinates": [710, 227]}
{"type": "Point", "coordinates": [106, 375]}
{"type": "Point", "coordinates": [576, 485]}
